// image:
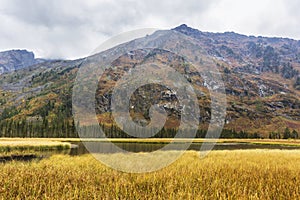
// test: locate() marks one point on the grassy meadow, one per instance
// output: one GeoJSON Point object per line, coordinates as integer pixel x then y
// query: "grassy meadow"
{"type": "Point", "coordinates": [18, 146]}
{"type": "Point", "coordinates": [237, 174]}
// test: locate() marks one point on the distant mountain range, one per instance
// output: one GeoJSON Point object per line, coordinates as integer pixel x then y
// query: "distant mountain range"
{"type": "Point", "coordinates": [17, 59]}
{"type": "Point", "coordinates": [261, 77]}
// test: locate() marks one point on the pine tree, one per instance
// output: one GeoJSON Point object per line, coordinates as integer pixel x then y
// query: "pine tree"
{"type": "Point", "coordinates": [286, 133]}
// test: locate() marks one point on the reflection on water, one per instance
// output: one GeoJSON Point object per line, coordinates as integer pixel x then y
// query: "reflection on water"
{"type": "Point", "coordinates": [27, 156]}
{"type": "Point", "coordinates": [104, 147]}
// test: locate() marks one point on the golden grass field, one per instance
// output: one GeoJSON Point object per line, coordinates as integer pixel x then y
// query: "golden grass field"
{"type": "Point", "coordinates": [10, 146]}
{"type": "Point", "coordinates": [237, 174]}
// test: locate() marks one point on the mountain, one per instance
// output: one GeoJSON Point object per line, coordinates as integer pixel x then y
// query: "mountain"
{"type": "Point", "coordinates": [261, 77]}
{"type": "Point", "coordinates": [16, 59]}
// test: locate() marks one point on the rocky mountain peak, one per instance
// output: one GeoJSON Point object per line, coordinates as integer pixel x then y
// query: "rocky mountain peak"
{"type": "Point", "coordinates": [185, 29]}
{"type": "Point", "coordinates": [16, 59]}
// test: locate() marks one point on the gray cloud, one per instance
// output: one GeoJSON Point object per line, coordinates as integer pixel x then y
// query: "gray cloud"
{"type": "Point", "coordinates": [74, 28]}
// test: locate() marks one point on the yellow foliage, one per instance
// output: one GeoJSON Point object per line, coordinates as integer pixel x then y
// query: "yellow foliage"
{"type": "Point", "coordinates": [240, 174]}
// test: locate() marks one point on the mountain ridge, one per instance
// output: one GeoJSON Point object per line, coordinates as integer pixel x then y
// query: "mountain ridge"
{"type": "Point", "coordinates": [187, 28]}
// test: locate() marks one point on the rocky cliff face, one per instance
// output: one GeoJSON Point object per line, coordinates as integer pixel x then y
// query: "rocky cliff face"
{"type": "Point", "coordinates": [16, 59]}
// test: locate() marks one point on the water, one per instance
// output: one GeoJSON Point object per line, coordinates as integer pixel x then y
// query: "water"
{"type": "Point", "coordinates": [149, 147]}
{"type": "Point", "coordinates": [26, 157]}
{"type": "Point", "coordinates": [78, 148]}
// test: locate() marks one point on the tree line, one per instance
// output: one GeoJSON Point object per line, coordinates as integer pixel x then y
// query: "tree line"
{"type": "Point", "coordinates": [65, 128]}
{"type": "Point", "coordinates": [44, 129]}
{"type": "Point", "coordinates": [287, 134]}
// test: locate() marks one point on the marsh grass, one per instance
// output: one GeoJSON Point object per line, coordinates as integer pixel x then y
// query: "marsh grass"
{"type": "Point", "coordinates": [239, 174]}
{"type": "Point", "coordinates": [18, 146]}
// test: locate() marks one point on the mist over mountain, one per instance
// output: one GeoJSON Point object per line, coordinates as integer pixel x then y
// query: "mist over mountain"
{"type": "Point", "coordinates": [261, 77]}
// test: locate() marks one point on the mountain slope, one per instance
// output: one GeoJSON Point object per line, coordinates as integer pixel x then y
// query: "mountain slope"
{"type": "Point", "coordinates": [261, 77]}
{"type": "Point", "coordinates": [253, 55]}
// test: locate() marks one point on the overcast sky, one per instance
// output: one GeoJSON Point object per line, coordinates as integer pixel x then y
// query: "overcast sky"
{"type": "Point", "coordinates": [74, 28]}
